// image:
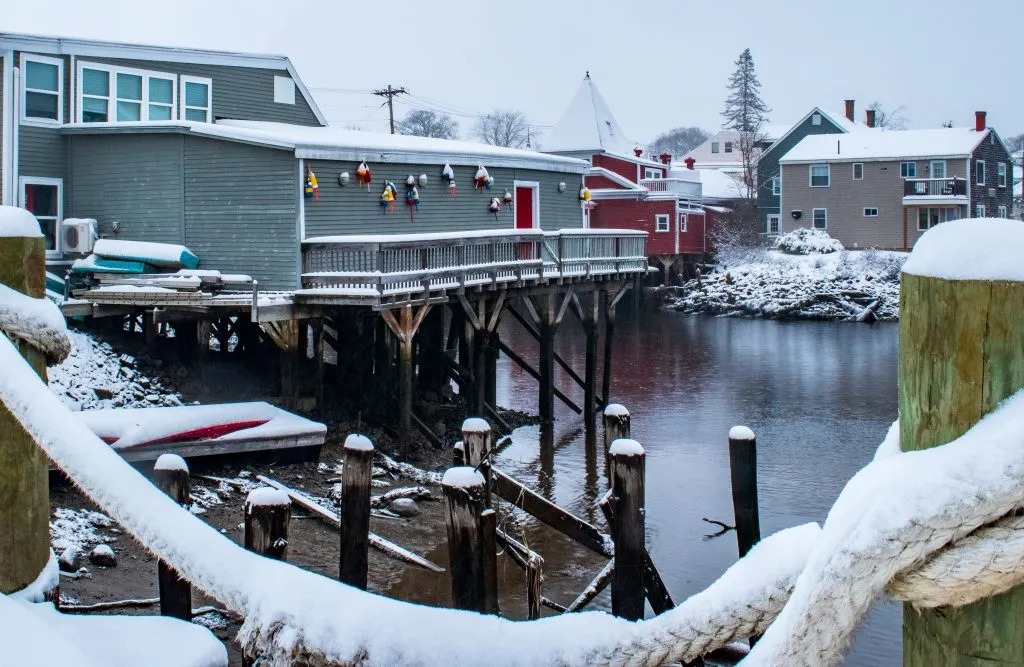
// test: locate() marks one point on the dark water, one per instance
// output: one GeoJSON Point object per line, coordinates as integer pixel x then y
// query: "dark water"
{"type": "Point", "coordinates": [820, 397]}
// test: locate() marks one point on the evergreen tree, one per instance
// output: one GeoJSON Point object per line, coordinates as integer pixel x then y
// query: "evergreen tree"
{"type": "Point", "coordinates": [744, 109]}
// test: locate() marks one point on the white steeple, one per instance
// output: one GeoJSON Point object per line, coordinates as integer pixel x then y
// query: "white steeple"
{"type": "Point", "coordinates": [587, 125]}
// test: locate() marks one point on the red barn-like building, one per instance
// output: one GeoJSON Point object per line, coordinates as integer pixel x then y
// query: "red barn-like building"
{"type": "Point", "coordinates": [627, 189]}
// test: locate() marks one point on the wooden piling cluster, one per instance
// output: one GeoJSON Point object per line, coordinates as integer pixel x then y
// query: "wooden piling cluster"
{"type": "Point", "coordinates": [170, 475]}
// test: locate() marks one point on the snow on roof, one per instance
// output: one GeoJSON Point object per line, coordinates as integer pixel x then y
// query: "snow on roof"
{"type": "Point", "coordinates": [714, 183]}
{"type": "Point", "coordinates": [333, 143]}
{"type": "Point", "coordinates": [587, 125]}
{"type": "Point", "coordinates": [886, 145]}
{"type": "Point", "coordinates": [772, 131]}
{"type": "Point", "coordinates": [973, 249]}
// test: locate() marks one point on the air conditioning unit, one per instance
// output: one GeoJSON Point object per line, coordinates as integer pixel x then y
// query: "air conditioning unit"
{"type": "Point", "coordinates": [79, 235]}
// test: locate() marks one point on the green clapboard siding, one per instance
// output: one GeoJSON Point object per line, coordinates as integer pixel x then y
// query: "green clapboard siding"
{"type": "Point", "coordinates": [241, 211]}
{"type": "Point", "coordinates": [354, 210]}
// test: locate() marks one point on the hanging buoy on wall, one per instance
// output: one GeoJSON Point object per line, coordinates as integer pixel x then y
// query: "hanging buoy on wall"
{"type": "Point", "coordinates": [451, 188]}
{"type": "Point", "coordinates": [312, 189]}
{"type": "Point", "coordinates": [364, 175]}
{"type": "Point", "coordinates": [412, 200]}
{"type": "Point", "coordinates": [387, 198]}
{"type": "Point", "coordinates": [495, 207]}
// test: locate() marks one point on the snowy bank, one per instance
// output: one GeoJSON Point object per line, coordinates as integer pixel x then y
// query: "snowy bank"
{"type": "Point", "coordinates": [849, 285]}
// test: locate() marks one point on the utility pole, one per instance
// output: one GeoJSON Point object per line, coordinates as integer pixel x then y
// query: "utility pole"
{"type": "Point", "coordinates": [390, 93]}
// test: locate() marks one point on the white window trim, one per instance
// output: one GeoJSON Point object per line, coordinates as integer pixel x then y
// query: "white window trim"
{"type": "Point", "coordinates": [715, 147]}
{"type": "Point", "coordinates": [810, 174]}
{"type": "Point", "coordinates": [652, 173]}
{"type": "Point", "coordinates": [42, 122]}
{"type": "Point", "coordinates": [535, 185]}
{"type": "Point", "coordinates": [813, 212]}
{"type": "Point", "coordinates": [979, 210]}
{"type": "Point", "coordinates": [113, 71]}
{"type": "Point", "coordinates": [931, 168]}
{"type": "Point", "coordinates": [870, 208]}
{"type": "Point", "coordinates": [1001, 211]}
{"type": "Point", "coordinates": [727, 146]}
{"type": "Point", "coordinates": [908, 175]}
{"type": "Point", "coordinates": [284, 90]}
{"type": "Point", "coordinates": [658, 218]}
{"type": "Point", "coordinates": [1001, 175]}
{"type": "Point", "coordinates": [816, 119]}
{"type": "Point", "coordinates": [777, 184]}
{"type": "Point", "coordinates": [43, 180]}
{"type": "Point", "coordinates": [778, 223]}
{"type": "Point", "coordinates": [854, 169]}
{"type": "Point", "coordinates": [980, 170]}
{"type": "Point", "coordinates": [682, 223]}
{"type": "Point", "coordinates": [185, 78]}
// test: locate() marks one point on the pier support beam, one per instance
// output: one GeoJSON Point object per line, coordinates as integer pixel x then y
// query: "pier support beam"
{"type": "Point", "coordinates": [547, 311]}
{"type": "Point", "coordinates": [481, 323]}
{"type": "Point", "coordinates": [588, 308]}
{"type": "Point", "coordinates": [612, 297]}
{"type": "Point", "coordinates": [404, 326]}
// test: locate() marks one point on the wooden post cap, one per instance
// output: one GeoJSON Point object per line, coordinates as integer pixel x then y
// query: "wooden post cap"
{"type": "Point", "coordinates": [741, 433]}
{"type": "Point", "coordinates": [615, 410]}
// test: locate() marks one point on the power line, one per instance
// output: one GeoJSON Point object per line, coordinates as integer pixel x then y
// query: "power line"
{"type": "Point", "coordinates": [390, 94]}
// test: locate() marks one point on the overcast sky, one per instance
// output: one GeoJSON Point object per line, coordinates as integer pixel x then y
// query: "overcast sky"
{"type": "Point", "coordinates": [658, 63]}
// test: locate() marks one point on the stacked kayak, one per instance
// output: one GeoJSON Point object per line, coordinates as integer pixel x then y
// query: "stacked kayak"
{"type": "Point", "coordinates": [132, 257]}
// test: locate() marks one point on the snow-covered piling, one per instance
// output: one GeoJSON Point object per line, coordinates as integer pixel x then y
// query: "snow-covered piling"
{"type": "Point", "coordinates": [626, 465]}
{"type": "Point", "coordinates": [170, 474]}
{"type": "Point", "coordinates": [477, 442]}
{"type": "Point", "coordinates": [616, 425]}
{"type": "Point", "coordinates": [357, 473]}
{"type": "Point", "coordinates": [267, 513]}
{"type": "Point", "coordinates": [464, 502]}
{"type": "Point", "coordinates": [743, 474]}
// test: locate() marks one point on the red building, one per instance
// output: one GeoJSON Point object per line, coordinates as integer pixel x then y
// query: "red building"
{"type": "Point", "coordinates": [629, 190]}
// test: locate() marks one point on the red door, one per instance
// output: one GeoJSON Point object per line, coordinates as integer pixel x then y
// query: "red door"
{"type": "Point", "coordinates": [524, 218]}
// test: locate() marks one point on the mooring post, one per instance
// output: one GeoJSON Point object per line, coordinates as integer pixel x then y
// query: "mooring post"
{"type": "Point", "coordinates": [459, 454]}
{"type": "Point", "coordinates": [616, 426]}
{"type": "Point", "coordinates": [477, 440]}
{"type": "Point", "coordinates": [743, 473]}
{"type": "Point", "coordinates": [533, 591]}
{"type": "Point", "coordinates": [491, 383]}
{"type": "Point", "coordinates": [627, 487]}
{"type": "Point", "coordinates": [267, 512]}
{"type": "Point", "coordinates": [357, 472]}
{"type": "Point", "coordinates": [464, 501]}
{"type": "Point", "coordinates": [24, 494]}
{"type": "Point", "coordinates": [961, 354]}
{"type": "Point", "coordinates": [170, 475]}
{"type": "Point", "coordinates": [489, 554]}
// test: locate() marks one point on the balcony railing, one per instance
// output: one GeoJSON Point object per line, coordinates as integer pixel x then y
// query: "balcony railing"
{"type": "Point", "coordinates": [935, 187]}
{"type": "Point", "coordinates": [676, 186]}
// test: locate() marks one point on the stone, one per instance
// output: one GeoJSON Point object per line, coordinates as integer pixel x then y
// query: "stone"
{"type": "Point", "coordinates": [103, 392]}
{"type": "Point", "coordinates": [103, 556]}
{"type": "Point", "coordinates": [153, 398]}
{"type": "Point", "coordinates": [406, 507]}
{"type": "Point", "coordinates": [69, 559]}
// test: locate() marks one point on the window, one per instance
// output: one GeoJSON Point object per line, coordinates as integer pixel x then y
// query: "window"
{"type": "Point", "coordinates": [979, 211]}
{"type": "Point", "coordinates": [820, 218]}
{"type": "Point", "coordinates": [773, 224]}
{"type": "Point", "coordinates": [682, 222]}
{"type": "Point", "coordinates": [777, 184]}
{"type": "Point", "coordinates": [108, 94]}
{"type": "Point", "coordinates": [930, 217]}
{"type": "Point", "coordinates": [820, 175]}
{"type": "Point", "coordinates": [284, 90]}
{"type": "Point", "coordinates": [728, 147]}
{"type": "Point", "coordinates": [938, 168]}
{"type": "Point", "coordinates": [42, 90]}
{"type": "Point", "coordinates": [661, 223]}
{"type": "Point", "coordinates": [1001, 211]}
{"type": "Point", "coordinates": [195, 96]}
{"type": "Point", "coordinates": [652, 173]}
{"type": "Point", "coordinates": [42, 197]}
{"type": "Point", "coordinates": [979, 172]}
{"type": "Point", "coordinates": [816, 119]}
{"type": "Point", "coordinates": [1001, 174]}
{"type": "Point", "coordinates": [714, 146]}
{"type": "Point", "coordinates": [871, 212]}
{"type": "Point", "coordinates": [908, 170]}
{"type": "Point", "coordinates": [858, 171]}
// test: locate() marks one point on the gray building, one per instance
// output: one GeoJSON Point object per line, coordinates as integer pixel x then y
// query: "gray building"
{"type": "Point", "coordinates": [884, 189]}
{"type": "Point", "coordinates": [213, 150]}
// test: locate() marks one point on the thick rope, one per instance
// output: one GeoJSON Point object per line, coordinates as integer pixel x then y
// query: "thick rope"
{"type": "Point", "coordinates": [37, 322]}
{"type": "Point", "coordinates": [937, 523]}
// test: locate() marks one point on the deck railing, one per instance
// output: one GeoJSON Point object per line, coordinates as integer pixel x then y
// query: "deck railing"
{"type": "Point", "coordinates": [934, 187]}
{"type": "Point", "coordinates": [678, 186]}
{"type": "Point", "coordinates": [392, 264]}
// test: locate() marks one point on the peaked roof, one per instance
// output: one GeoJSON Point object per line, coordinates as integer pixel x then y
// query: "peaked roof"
{"type": "Point", "coordinates": [886, 145]}
{"type": "Point", "coordinates": [587, 125]}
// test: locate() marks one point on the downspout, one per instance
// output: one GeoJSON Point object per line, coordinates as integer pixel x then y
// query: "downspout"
{"type": "Point", "coordinates": [300, 223]}
{"type": "Point", "coordinates": [15, 137]}
{"type": "Point", "coordinates": [7, 184]}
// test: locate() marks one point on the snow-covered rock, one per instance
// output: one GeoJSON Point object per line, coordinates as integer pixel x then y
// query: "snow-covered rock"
{"type": "Point", "coordinates": [406, 507]}
{"type": "Point", "coordinates": [806, 241]}
{"type": "Point", "coordinates": [103, 555]}
{"type": "Point", "coordinates": [69, 559]}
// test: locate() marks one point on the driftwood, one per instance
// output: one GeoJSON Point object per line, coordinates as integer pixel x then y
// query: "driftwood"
{"type": "Point", "coordinates": [418, 493]}
{"type": "Point", "coordinates": [133, 604]}
{"type": "Point", "coordinates": [594, 588]}
{"type": "Point", "coordinates": [724, 528]}
{"type": "Point", "coordinates": [377, 542]}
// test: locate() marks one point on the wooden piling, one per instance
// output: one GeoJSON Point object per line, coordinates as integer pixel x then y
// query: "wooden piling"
{"type": "Point", "coordinates": [961, 353]}
{"type": "Point", "coordinates": [533, 581]}
{"type": "Point", "coordinates": [616, 426]}
{"type": "Point", "coordinates": [267, 513]}
{"type": "Point", "coordinates": [24, 495]}
{"type": "Point", "coordinates": [404, 328]}
{"type": "Point", "coordinates": [627, 485]}
{"type": "Point", "coordinates": [464, 501]}
{"type": "Point", "coordinates": [489, 556]}
{"type": "Point", "coordinates": [357, 473]}
{"type": "Point", "coordinates": [170, 475]}
{"type": "Point", "coordinates": [743, 473]}
{"type": "Point", "coordinates": [478, 440]}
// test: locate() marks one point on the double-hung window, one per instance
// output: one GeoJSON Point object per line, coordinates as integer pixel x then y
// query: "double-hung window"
{"type": "Point", "coordinates": [42, 90]}
{"type": "Point", "coordinates": [908, 170]}
{"type": "Point", "coordinates": [682, 222]}
{"type": "Point", "coordinates": [1001, 174]}
{"type": "Point", "coordinates": [110, 94]}
{"type": "Point", "coordinates": [728, 147]}
{"type": "Point", "coordinates": [820, 218]}
{"type": "Point", "coordinates": [979, 211]}
{"type": "Point", "coordinates": [819, 175]}
{"type": "Point", "coordinates": [858, 171]}
{"type": "Point", "coordinates": [196, 95]}
{"type": "Point", "coordinates": [661, 223]}
{"type": "Point", "coordinates": [938, 168]}
{"type": "Point", "coordinates": [1001, 211]}
{"type": "Point", "coordinates": [777, 184]}
{"type": "Point", "coordinates": [979, 172]}
{"type": "Point", "coordinates": [714, 146]}
{"type": "Point", "coordinates": [651, 173]}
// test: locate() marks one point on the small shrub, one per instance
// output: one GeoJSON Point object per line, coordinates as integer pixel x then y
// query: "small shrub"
{"type": "Point", "coordinates": [806, 241]}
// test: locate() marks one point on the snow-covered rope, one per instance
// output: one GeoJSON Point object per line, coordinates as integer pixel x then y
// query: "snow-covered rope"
{"type": "Point", "coordinates": [899, 513]}
{"type": "Point", "coordinates": [37, 322]}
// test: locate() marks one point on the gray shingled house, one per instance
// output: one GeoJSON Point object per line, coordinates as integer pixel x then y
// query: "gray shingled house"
{"type": "Point", "coordinates": [213, 150]}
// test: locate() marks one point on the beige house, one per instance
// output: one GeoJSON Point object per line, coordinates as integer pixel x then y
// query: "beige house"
{"type": "Point", "coordinates": [884, 189]}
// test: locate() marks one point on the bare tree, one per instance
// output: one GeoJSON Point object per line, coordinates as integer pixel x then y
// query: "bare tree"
{"type": "Point", "coordinates": [1015, 143]}
{"type": "Point", "coordinates": [751, 145]}
{"type": "Point", "coordinates": [889, 120]}
{"type": "Point", "coordinates": [422, 123]}
{"type": "Point", "coordinates": [678, 141]}
{"type": "Point", "coordinates": [736, 237]}
{"type": "Point", "coordinates": [503, 128]}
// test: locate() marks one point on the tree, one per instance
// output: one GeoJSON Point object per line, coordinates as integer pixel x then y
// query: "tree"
{"type": "Point", "coordinates": [889, 120]}
{"type": "Point", "coordinates": [1015, 143]}
{"type": "Point", "coordinates": [503, 128]}
{"type": "Point", "coordinates": [678, 141]}
{"type": "Point", "coordinates": [422, 123]}
{"type": "Point", "coordinates": [751, 145]}
{"type": "Point", "coordinates": [744, 109]}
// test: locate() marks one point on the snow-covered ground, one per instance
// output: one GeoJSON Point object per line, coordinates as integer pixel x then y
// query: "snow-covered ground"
{"type": "Point", "coordinates": [771, 284]}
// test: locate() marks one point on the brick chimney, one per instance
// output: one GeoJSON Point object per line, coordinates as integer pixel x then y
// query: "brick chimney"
{"type": "Point", "coordinates": [689, 162]}
{"type": "Point", "coordinates": [665, 158]}
{"type": "Point", "coordinates": [979, 121]}
{"type": "Point", "coordinates": [638, 151]}
{"type": "Point", "coordinates": [870, 117]}
{"type": "Point", "coordinates": [849, 110]}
